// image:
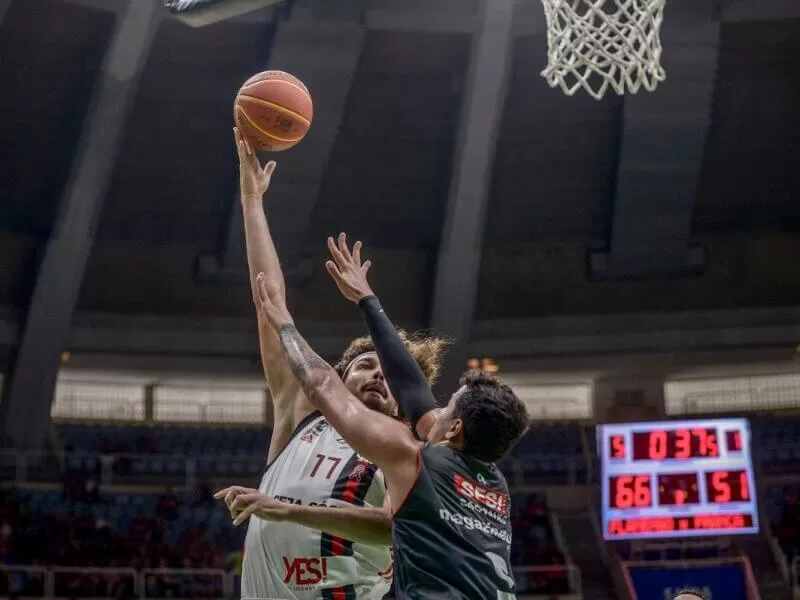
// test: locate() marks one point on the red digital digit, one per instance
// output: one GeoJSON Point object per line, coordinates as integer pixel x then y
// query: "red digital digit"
{"type": "Point", "coordinates": [683, 443]}
{"type": "Point", "coordinates": [628, 491]}
{"type": "Point", "coordinates": [744, 488]}
{"type": "Point", "coordinates": [658, 445]}
{"type": "Point", "coordinates": [721, 487]}
{"type": "Point", "coordinates": [641, 491]}
{"type": "Point", "coordinates": [622, 491]}
{"type": "Point", "coordinates": [702, 441]}
{"type": "Point", "coordinates": [713, 447]}
{"type": "Point", "coordinates": [617, 446]}
{"type": "Point", "coordinates": [734, 440]}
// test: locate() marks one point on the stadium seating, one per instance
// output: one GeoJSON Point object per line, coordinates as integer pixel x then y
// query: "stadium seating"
{"type": "Point", "coordinates": [782, 508]}
{"type": "Point", "coordinates": [162, 452]}
{"type": "Point", "coordinates": [548, 454]}
{"type": "Point", "coordinates": [534, 544]}
{"type": "Point", "coordinates": [187, 441]}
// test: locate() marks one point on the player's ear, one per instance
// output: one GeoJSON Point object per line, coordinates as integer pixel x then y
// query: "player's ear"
{"type": "Point", "coordinates": [455, 432]}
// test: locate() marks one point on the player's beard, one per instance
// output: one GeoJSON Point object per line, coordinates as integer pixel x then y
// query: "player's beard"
{"type": "Point", "coordinates": [376, 401]}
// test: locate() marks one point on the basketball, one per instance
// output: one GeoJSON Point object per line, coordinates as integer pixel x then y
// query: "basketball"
{"type": "Point", "coordinates": [273, 110]}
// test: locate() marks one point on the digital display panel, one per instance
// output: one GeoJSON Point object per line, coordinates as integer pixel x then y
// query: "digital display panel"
{"type": "Point", "coordinates": [677, 479]}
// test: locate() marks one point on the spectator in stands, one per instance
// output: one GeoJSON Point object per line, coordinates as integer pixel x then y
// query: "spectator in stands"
{"type": "Point", "coordinates": [168, 506]}
{"type": "Point", "coordinates": [787, 531]}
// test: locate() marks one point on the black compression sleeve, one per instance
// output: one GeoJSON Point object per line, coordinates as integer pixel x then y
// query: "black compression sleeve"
{"type": "Point", "coordinates": [404, 376]}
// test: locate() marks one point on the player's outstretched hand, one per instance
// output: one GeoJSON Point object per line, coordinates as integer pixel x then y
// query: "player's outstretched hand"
{"type": "Point", "coordinates": [346, 269]}
{"type": "Point", "coordinates": [259, 505]}
{"type": "Point", "coordinates": [271, 304]}
{"type": "Point", "coordinates": [253, 180]}
{"type": "Point", "coordinates": [229, 494]}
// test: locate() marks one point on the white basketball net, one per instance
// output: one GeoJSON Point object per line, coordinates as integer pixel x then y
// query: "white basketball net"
{"type": "Point", "coordinates": [594, 44]}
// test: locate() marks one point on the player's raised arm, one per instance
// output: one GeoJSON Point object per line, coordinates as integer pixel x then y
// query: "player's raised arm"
{"type": "Point", "coordinates": [404, 376]}
{"type": "Point", "coordinates": [385, 441]}
{"type": "Point", "coordinates": [289, 404]}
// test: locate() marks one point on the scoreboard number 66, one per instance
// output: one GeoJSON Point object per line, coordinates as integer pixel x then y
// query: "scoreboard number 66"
{"type": "Point", "coordinates": [631, 491]}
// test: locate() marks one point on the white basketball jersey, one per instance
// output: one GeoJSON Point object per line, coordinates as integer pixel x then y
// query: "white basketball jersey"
{"type": "Point", "coordinates": [286, 561]}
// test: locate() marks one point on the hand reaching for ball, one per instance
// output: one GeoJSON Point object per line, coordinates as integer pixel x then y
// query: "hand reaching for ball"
{"type": "Point", "coordinates": [253, 180]}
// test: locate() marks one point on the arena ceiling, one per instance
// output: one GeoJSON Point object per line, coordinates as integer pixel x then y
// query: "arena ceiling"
{"type": "Point", "coordinates": [552, 194]}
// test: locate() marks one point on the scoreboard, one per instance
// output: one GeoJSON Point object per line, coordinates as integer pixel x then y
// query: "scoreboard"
{"type": "Point", "coordinates": [677, 479]}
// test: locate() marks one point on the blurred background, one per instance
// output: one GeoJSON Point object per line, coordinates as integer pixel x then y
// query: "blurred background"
{"type": "Point", "coordinates": [620, 260]}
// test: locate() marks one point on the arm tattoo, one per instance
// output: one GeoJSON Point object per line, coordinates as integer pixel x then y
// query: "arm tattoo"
{"type": "Point", "coordinates": [306, 365]}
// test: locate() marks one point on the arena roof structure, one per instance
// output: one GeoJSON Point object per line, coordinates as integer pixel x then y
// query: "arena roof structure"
{"type": "Point", "coordinates": [494, 207]}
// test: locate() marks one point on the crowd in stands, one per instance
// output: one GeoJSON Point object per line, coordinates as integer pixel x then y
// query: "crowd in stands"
{"type": "Point", "coordinates": [84, 523]}
{"type": "Point", "coordinates": [79, 526]}
{"type": "Point", "coordinates": [784, 512]}
{"type": "Point", "coordinates": [534, 544]}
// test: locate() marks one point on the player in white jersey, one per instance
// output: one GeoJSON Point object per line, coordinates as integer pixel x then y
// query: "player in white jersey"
{"type": "Point", "coordinates": [323, 482]}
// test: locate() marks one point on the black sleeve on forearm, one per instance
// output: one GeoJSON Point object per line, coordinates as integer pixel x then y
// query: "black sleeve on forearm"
{"type": "Point", "coordinates": [404, 376]}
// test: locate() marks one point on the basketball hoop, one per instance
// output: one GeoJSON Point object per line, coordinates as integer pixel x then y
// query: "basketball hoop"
{"type": "Point", "coordinates": [597, 44]}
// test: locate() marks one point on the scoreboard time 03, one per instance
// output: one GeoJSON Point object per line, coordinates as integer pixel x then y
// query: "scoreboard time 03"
{"type": "Point", "coordinates": [677, 479]}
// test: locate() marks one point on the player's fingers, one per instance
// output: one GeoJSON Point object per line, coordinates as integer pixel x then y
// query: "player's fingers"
{"type": "Point", "coordinates": [241, 144]}
{"type": "Point", "coordinates": [245, 514]}
{"type": "Point", "coordinates": [336, 253]}
{"type": "Point", "coordinates": [333, 270]}
{"type": "Point", "coordinates": [365, 267]}
{"type": "Point", "coordinates": [244, 500]}
{"type": "Point", "coordinates": [342, 241]}
{"type": "Point", "coordinates": [221, 494]}
{"type": "Point", "coordinates": [269, 168]}
{"type": "Point", "coordinates": [357, 253]}
{"type": "Point", "coordinates": [239, 502]}
{"type": "Point", "coordinates": [247, 146]}
{"type": "Point", "coordinates": [231, 495]}
{"type": "Point", "coordinates": [261, 286]}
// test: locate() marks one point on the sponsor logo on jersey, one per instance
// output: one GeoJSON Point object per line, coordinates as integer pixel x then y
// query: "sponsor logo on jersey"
{"type": "Point", "coordinates": [473, 524]}
{"type": "Point", "coordinates": [315, 431]}
{"type": "Point", "coordinates": [481, 478]}
{"type": "Point", "coordinates": [359, 470]}
{"type": "Point", "coordinates": [305, 571]}
{"type": "Point", "coordinates": [480, 494]}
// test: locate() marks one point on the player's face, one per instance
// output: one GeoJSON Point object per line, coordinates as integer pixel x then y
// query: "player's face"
{"type": "Point", "coordinates": [365, 380]}
{"type": "Point", "coordinates": [447, 427]}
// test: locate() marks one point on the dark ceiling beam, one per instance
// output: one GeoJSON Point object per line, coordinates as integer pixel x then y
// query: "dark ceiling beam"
{"type": "Point", "coordinates": [323, 50]}
{"type": "Point", "coordinates": [431, 20]}
{"type": "Point", "coordinates": [529, 21]}
{"type": "Point", "coordinates": [25, 410]}
{"type": "Point", "coordinates": [459, 257]}
{"type": "Point", "coordinates": [662, 143]}
{"type": "Point", "coordinates": [4, 4]}
{"type": "Point", "coordinates": [760, 10]}
{"type": "Point", "coordinates": [576, 336]}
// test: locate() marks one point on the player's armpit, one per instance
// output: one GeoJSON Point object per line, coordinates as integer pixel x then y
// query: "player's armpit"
{"type": "Point", "coordinates": [362, 524]}
{"type": "Point", "coordinates": [289, 404]}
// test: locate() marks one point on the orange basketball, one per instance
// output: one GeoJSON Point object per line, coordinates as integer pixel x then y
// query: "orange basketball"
{"type": "Point", "coordinates": [273, 110]}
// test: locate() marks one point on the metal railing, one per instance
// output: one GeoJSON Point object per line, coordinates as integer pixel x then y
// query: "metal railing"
{"type": "Point", "coordinates": [151, 584]}
{"type": "Point", "coordinates": [129, 468]}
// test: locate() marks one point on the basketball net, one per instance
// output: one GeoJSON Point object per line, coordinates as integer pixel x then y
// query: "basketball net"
{"type": "Point", "coordinates": [597, 44]}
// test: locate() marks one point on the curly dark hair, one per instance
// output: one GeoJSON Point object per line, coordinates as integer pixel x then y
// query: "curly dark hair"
{"type": "Point", "coordinates": [494, 417]}
{"type": "Point", "coordinates": [427, 350]}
